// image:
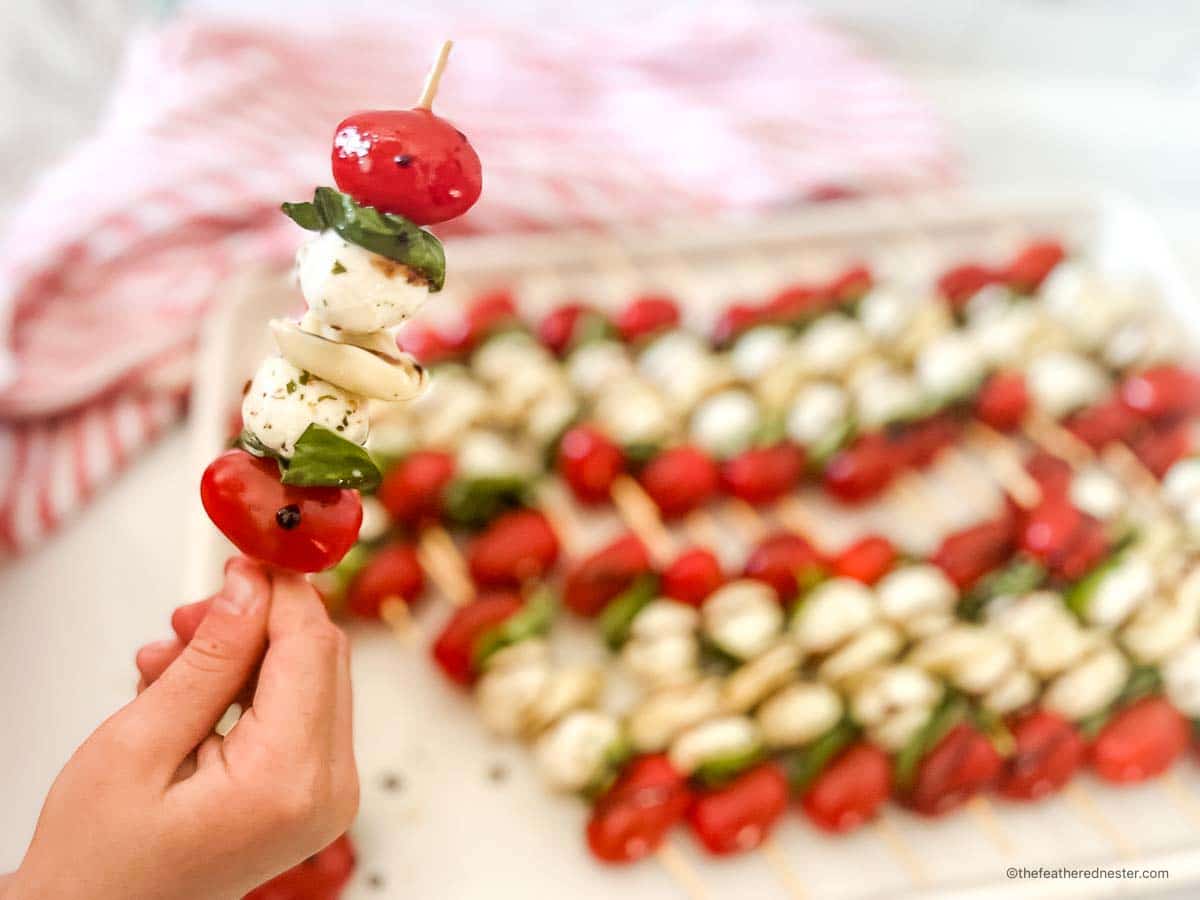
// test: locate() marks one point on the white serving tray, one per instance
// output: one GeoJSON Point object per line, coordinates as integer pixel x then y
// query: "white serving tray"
{"type": "Point", "coordinates": [452, 830]}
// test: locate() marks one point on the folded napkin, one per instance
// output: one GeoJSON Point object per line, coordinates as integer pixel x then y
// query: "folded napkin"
{"type": "Point", "coordinates": [109, 265]}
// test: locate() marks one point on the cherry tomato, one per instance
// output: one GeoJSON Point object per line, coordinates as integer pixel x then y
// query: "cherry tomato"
{"type": "Point", "coordinates": [680, 480]}
{"type": "Point", "coordinates": [734, 320]}
{"type": "Point", "coordinates": [1003, 401]}
{"type": "Point", "coordinates": [1049, 528]}
{"type": "Point", "coordinates": [1030, 267]}
{"type": "Point", "coordinates": [633, 817]}
{"type": "Point", "coordinates": [1164, 392]}
{"type": "Point", "coordinates": [1049, 750]}
{"type": "Point", "coordinates": [597, 578]}
{"type": "Point", "coordinates": [795, 304]}
{"type": "Point", "coordinates": [850, 285]}
{"type": "Point", "coordinates": [738, 816]}
{"type": "Point", "coordinates": [406, 161]}
{"type": "Point", "coordinates": [960, 765]}
{"type": "Point", "coordinates": [1140, 741]}
{"type": "Point", "coordinates": [1104, 423]}
{"type": "Point", "coordinates": [692, 576]}
{"type": "Point", "coordinates": [861, 471]}
{"type": "Point", "coordinates": [589, 461]}
{"type": "Point", "coordinates": [1086, 549]}
{"type": "Point", "coordinates": [763, 474]}
{"type": "Point", "coordinates": [560, 328]}
{"type": "Point", "coordinates": [412, 489]}
{"type": "Point", "coordinates": [320, 877]}
{"type": "Point", "coordinates": [514, 548]}
{"type": "Point", "coordinates": [1053, 475]}
{"type": "Point", "coordinates": [305, 529]}
{"type": "Point", "coordinates": [454, 650]}
{"type": "Point", "coordinates": [963, 282]}
{"type": "Point", "coordinates": [917, 445]}
{"type": "Point", "coordinates": [392, 572]}
{"type": "Point", "coordinates": [486, 313]}
{"type": "Point", "coordinates": [866, 560]}
{"type": "Point", "coordinates": [850, 790]}
{"type": "Point", "coordinates": [968, 555]}
{"type": "Point", "coordinates": [425, 343]}
{"type": "Point", "coordinates": [646, 316]}
{"type": "Point", "coordinates": [783, 561]}
{"type": "Point", "coordinates": [1163, 446]}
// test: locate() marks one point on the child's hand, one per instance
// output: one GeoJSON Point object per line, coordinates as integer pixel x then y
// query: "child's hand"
{"type": "Point", "coordinates": [155, 805]}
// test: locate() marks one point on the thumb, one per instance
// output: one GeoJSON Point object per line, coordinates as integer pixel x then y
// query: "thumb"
{"type": "Point", "coordinates": [185, 703]}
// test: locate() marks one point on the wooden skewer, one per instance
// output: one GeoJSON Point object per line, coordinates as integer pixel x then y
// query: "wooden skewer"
{"type": "Point", "coordinates": [985, 814]}
{"type": "Point", "coordinates": [678, 867]}
{"type": "Point", "coordinates": [396, 614]}
{"type": "Point", "coordinates": [901, 849]}
{"type": "Point", "coordinates": [782, 868]}
{"type": "Point", "coordinates": [639, 512]}
{"type": "Point", "coordinates": [747, 519]}
{"type": "Point", "coordinates": [440, 558]}
{"type": "Point", "coordinates": [1085, 804]}
{"type": "Point", "coordinates": [434, 78]}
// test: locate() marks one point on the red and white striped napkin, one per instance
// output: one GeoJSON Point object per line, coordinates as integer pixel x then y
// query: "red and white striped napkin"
{"type": "Point", "coordinates": [109, 265]}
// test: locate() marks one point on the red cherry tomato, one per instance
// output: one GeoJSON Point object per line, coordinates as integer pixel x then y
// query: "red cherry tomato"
{"type": "Point", "coordinates": [1030, 267]}
{"type": "Point", "coordinates": [558, 329]}
{"type": "Point", "coordinates": [412, 489]}
{"type": "Point", "coordinates": [963, 282]}
{"type": "Point", "coordinates": [320, 877]}
{"type": "Point", "coordinates": [1050, 528]}
{"type": "Point", "coordinates": [763, 474]}
{"type": "Point", "coordinates": [646, 316]}
{"type": "Point", "coordinates": [960, 765]}
{"type": "Point", "coordinates": [850, 790]}
{"type": "Point", "coordinates": [598, 578]}
{"type": "Point", "coordinates": [486, 313]}
{"type": "Point", "coordinates": [1049, 750]}
{"type": "Point", "coordinates": [424, 343]}
{"type": "Point", "coordinates": [589, 462]}
{"type": "Point", "coordinates": [305, 529]}
{"type": "Point", "coordinates": [783, 560]}
{"type": "Point", "coordinates": [917, 445]}
{"type": "Point", "coordinates": [692, 576]}
{"type": "Point", "coordinates": [454, 650]}
{"type": "Point", "coordinates": [1140, 741]}
{"type": "Point", "coordinates": [850, 285]}
{"type": "Point", "coordinates": [633, 817]}
{"type": "Point", "coordinates": [734, 320]}
{"type": "Point", "coordinates": [795, 304]}
{"type": "Point", "coordinates": [1086, 549]}
{"type": "Point", "coordinates": [1164, 392]}
{"type": "Point", "coordinates": [1003, 401]}
{"type": "Point", "coordinates": [680, 480]}
{"type": "Point", "coordinates": [1163, 446]}
{"type": "Point", "coordinates": [391, 573]}
{"type": "Point", "coordinates": [1102, 424]}
{"type": "Point", "coordinates": [968, 555]}
{"type": "Point", "coordinates": [1053, 475]}
{"type": "Point", "coordinates": [866, 560]}
{"type": "Point", "coordinates": [738, 816]}
{"type": "Point", "coordinates": [406, 161]}
{"type": "Point", "coordinates": [514, 548]}
{"type": "Point", "coordinates": [861, 471]}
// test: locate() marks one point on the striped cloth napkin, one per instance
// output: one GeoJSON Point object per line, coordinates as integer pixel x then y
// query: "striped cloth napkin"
{"type": "Point", "coordinates": [109, 265]}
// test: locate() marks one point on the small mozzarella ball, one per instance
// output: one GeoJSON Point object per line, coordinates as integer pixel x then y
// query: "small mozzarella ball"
{"type": "Point", "coordinates": [743, 618]}
{"type": "Point", "coordinates": [667, 712]}
{"type": "Point", "coordinates": [596, 364]}
{"type": "Point", "coordinates": [1157, 630]}
{"type": "Point", "coordinates": [894, 733]}
{"type": "Point", "coordinates": [799, 714]}
{"type": "Point", "coordinates": [453, 404]}
{"type": "Point", "coordinates": [282, 401]}
{"type": "Point", "coordinates": [832, 345]}
{"type": "Point", "coordinates": [375, 519]}
{"type": "Point", "coordinates": [489, 454]}
{"type": "Point", "coordinates": [818, 409]}
{"type": "Point", "coordinates": [1090, 306]}
{"type": "Point", "coordinates": [914, 590]}
{"type": "Point", "coordinates": [950, 367]}
{"type": "Point", "coordinates": [986, 669]}
{"type": "Point", "coordinates": [1120, 591]}
{"type": "Point", "coordinates": [1097, 493]}
{"type": "Point", "coordinates": [725, 424]}
{"type": "Point", "coordinates": [506, 693]}
{"type": "Point", "coordinates": [931, 320]}
{"type": "Point", "coordinates": [888, 691]}
{"type": "Point", "coordinates": [683, 367]}
{"type": "Point", "coordinates": [883, 396]}
{"type": "Point", "coordinates": [568, 689]}
{"type": "Point", "coordinates": [1181, 484]}
{"type": "Point", "coordinates": [747, 685]}
{"type": "Point", "coordinates": [1181, 678]}
{"type": "Point", "coordinates": [352, 289]}
{"type": "Point", "coordinates": [1060, 383]}
{"type": "Point", "coordinates": [832, 612]}
{"type": "Point", "coordinates": [1021, 618]}
{"type": "Point", "coordinates": [658, 662]}
{"type": "Point", "coordinates": [1016, 690]}
{"type": "Point", "coordinates": [505, 354]}
{"type": "Point", "coordinates": [885, 312]}
{"type": "Point", "coordinates": [532, 652]}
{"type": "Point", "coordinates": [631, 411]}
{"type": "Point", "coordinates": [662, 617]}
{"type": "Point", "coordinates": [971, 656]}
{"type": "Point", "coordinates": [1059, 645]}
{"type": "Point", "coordinates": [713, 740]}
{"type": "Point", "coordinates": [551, 415]}
{"type": "Point", "coordinates": [923, 625]}
{"type": "Point", "coordinates": [572, 754]}
{"type": "Point", "coordinates": [877, 644]}
{"type": "Point", "coordinates": [393, 428]}
{"type": "Point", "coordinates": [1145, 342]}
{"type": "Point", "coordinates": [1088, 687]}
{"type": "Point", "coordinates": [758, 350]}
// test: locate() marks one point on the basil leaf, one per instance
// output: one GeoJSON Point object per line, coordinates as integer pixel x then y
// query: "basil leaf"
{"type": "Point", "coordinates": [616, 755]}
{"type": "Point", "coordinates": [323, 459]}
{"type": "Point", "coordinates": [805, 765]}
{"type": "Point", "coordinates": [473, 502]}
{"type": "Point", "coordinates": [249, 442]}
{"type": "Point", "coordinates": [1015, 580]}
{"type": "Point", "coordinates": [618, 615]}
{"type": "Point", "coordinates": [722, 769]}
{"type": "Point", "coordinates": [947, 714]}
{"type": "Point", "coordinates": [387, 234]}
{"type": "Point", "coordinates": [534, 619]}
{"type": "Point", "coordinates": [1078, 597]}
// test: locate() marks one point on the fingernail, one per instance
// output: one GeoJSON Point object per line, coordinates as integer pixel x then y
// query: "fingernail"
{"type": "Point", "coordinates": [238, 596]}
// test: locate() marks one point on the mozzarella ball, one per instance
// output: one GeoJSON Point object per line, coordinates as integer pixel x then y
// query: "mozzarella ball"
{"type": "Point", "coordinates": [683, 367]}
{"type": "Point", "coordinates": [930, 321]}
{"type": "Point", "coordinates": [756, 351]}
{"type": "Point", "coordinates": [885, 313]}
{"type": "Point", "coordinates": [663, 617]}
{"type": "Point", "coordinates": [973, 657]}
{"type": "Point", "coordinates": [1181, 678]}
{"type": "Point", "coordinates": [1181, 484]}
{"type": "Point", "coordinates": [489, 454]}
{"type": "Point", "coordinates": [352, 289]}
{"type": "Point", "coordinates": [1008, 334]}
{"type": "Point", "coordinates": [799, 714]}
{"type": "Point", "coordinates": [596, 364]}
{"type": "Point", "coordinates": [743, 618]}
{"type": "Point", "coordinates": [747, 685]}
{"type": "Point", "coordinates": [877, 644]}
{"type": "Point", "coordinates": [508, 690]}
{"type": "Point", "coordinates": [913, 590]}
{"type": "Point", "coordinates": [1120, 590]}
{"type": "Point", "coordinates": [454, 403]}
{"type": "Point", "coordinates": [282, 401]}
{"type": "Point", "coordinates": [1157, 630]}
{"type": "Point", "coordinates": [376, 520]}
{"type": "Point", "coordinates": [726, 423]}
{"type": "Point", "coordinates": [667, 712]}
{"type": "Point", "coordinates": [1089, 686]}
{"type": "Point", "coordinates": [1017, 689]}
{"type": "Point", "coordinates": [1060, 383]}
{"type": "Point", "coordinates": [713, 740]}
{"type": "Point", "coordinates": [882, 396]}
{"type": "Point", "coordinates": [818, 409]}
{"type": "Point", "coordinates": [507, 353]}
{"type": "Point", "coordinates": [895, 731]}
{"type": "Point", "coordinates": [573, 752]}
{"type": "Point", "coordinates": [568, 689]}
{"type": "Point", "coordinates": [1144, 342]}
{"type": "Point", "coordinates": [894, 689]}
{"type": "Point", "coordinates": [554, 411]}
{"type": "Point", "coordinates": [1091, 307]}
{"type": "Point", "coordinates": [632, 412]}
{"type": "Point", "coordinates": [950, 366]}
{"type": "Point", "coordinates": [662, 661]}
{"type": "Point", "coordinates": [831, 345]}
{"type": "Point", "coordinates": [1097, 493]}
{"type": "Point", "coordinates": [831, 613]}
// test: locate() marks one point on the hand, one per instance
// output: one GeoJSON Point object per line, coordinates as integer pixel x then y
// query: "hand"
{"type": "Point", "coordinates": [155, 805]}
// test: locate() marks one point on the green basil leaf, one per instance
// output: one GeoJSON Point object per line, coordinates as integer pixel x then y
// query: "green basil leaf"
{"type": "Point", "coordinates": [533, 620]}
{"type": "Point", "coordinates": [1015, 580]}
{"type": "Point", "coordinates": [618, 615]}
{"type": "Point", "coordinates": [473, 502]}
{"type": "Point", "coordinates": [324, 459]}
{"type": "Point", "coordinates": [719, 770]}
{"type": "Point", "coordinates": [944, 717]}
{"type": "Point", "coordinates": [803, 766]}
{"type": "Point", "coordinates": [1078, 597]}
{"type": "Point", "coordinates": [387, 234]}
{"type": "Point", "coordinates": [616, 755]}
{"type": "Point", "coordinates": [249, 442]}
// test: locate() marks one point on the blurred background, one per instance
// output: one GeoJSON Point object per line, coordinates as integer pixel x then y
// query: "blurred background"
{"type": "Point", "coordinates": [1029, 93]}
